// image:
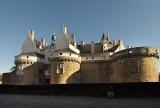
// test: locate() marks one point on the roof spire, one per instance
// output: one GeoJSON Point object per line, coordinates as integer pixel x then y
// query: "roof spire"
{"type": "Point", "coordinates": [105, 37]}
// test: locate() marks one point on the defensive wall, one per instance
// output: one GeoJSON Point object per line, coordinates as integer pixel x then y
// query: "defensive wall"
{"type": "Point", "coordinates": [32, 74]}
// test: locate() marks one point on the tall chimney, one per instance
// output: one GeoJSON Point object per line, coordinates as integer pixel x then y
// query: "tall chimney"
{"type": "Point", "coordinates": [43, 42]}
{"type": "Point", "coordinates": [73, 39]}
{"type": "Point", "coordinates": [82, 42]}
{"type": "Point", "coordinates": [92, 47]}
{"type": "Point", "coordinates": [64, 29]}
{"type": "Point", "coordinates": [31, 34]}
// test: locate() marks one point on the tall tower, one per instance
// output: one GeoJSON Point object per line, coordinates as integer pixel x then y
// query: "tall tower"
{"type": "Point", "coordinates": [65, 67]}
{"type": "Point", "coordinates": [65, 60]}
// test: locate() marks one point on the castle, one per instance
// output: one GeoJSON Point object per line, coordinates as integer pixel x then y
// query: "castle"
{"type": "Point", "coordinates": [65, 62]}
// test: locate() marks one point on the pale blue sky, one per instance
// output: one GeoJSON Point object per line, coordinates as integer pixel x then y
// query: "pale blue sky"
{"type": "Point", "coordinates": [137, 22]}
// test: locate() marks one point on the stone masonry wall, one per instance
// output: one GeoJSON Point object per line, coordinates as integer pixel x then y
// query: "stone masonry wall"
{"type": "Point", "coordinates": [8, 78]}
{"type": "Point", "coordinates": [121, 71]}
{"type": "Point", "coordinates": [149, 69]}
{"type": "Point", "coordinates": [95, 72]}
{"type": "Point", "coordinates": [32, 74]}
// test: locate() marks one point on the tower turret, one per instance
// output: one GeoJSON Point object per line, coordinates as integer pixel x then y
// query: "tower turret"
{"type": "Point", "coordinates": [65, 60]}
{"type": "Point", "coordinates": [64, 67]}
{"type": "Point", "coordinates": [138, 64]}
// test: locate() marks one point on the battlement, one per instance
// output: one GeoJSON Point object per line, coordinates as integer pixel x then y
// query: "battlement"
{"type": "Point", "coordinates": [96, 62]}
{"type": "Point", "coordinates": [24, 62]}
{"type": "Point", "coordinates": [65, 59]}
{"type": "Point", "coordinates": [136, 51]}
{"type": "Point", "coordinates": [68, 54]}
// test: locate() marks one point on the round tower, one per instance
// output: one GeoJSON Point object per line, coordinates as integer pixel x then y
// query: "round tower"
{"type": "Point", "coordinates": [137, 64]}
{"type": "Point", "coordinates": [24, 60]}
{"type": "Point", "coordinates": [27, 67]}
{"type": "Point", "coordinates": [64, 67]}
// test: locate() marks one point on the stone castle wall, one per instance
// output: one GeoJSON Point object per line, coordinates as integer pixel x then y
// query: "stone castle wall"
{"type": "Point", "coordinates": [121, 71]}
{"type": "Point", "coordinates": [9, 78]}
{"type": "Point", "coordinates": [95, 72]}
{"type": "Point", "coordinates": [33, 74]}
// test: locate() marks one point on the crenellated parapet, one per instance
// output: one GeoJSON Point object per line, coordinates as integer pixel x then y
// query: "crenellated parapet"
{"type": "Point", "coordinates": [136, 52]}
{"type": "Point", "coordinates": [96, 62]}
{"type": "Point", "coordinates": [65, 59]}
{"type": "Point", "coordinates": [65, 56]}
{"type": "Point", "coordinates": [17, 62]}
